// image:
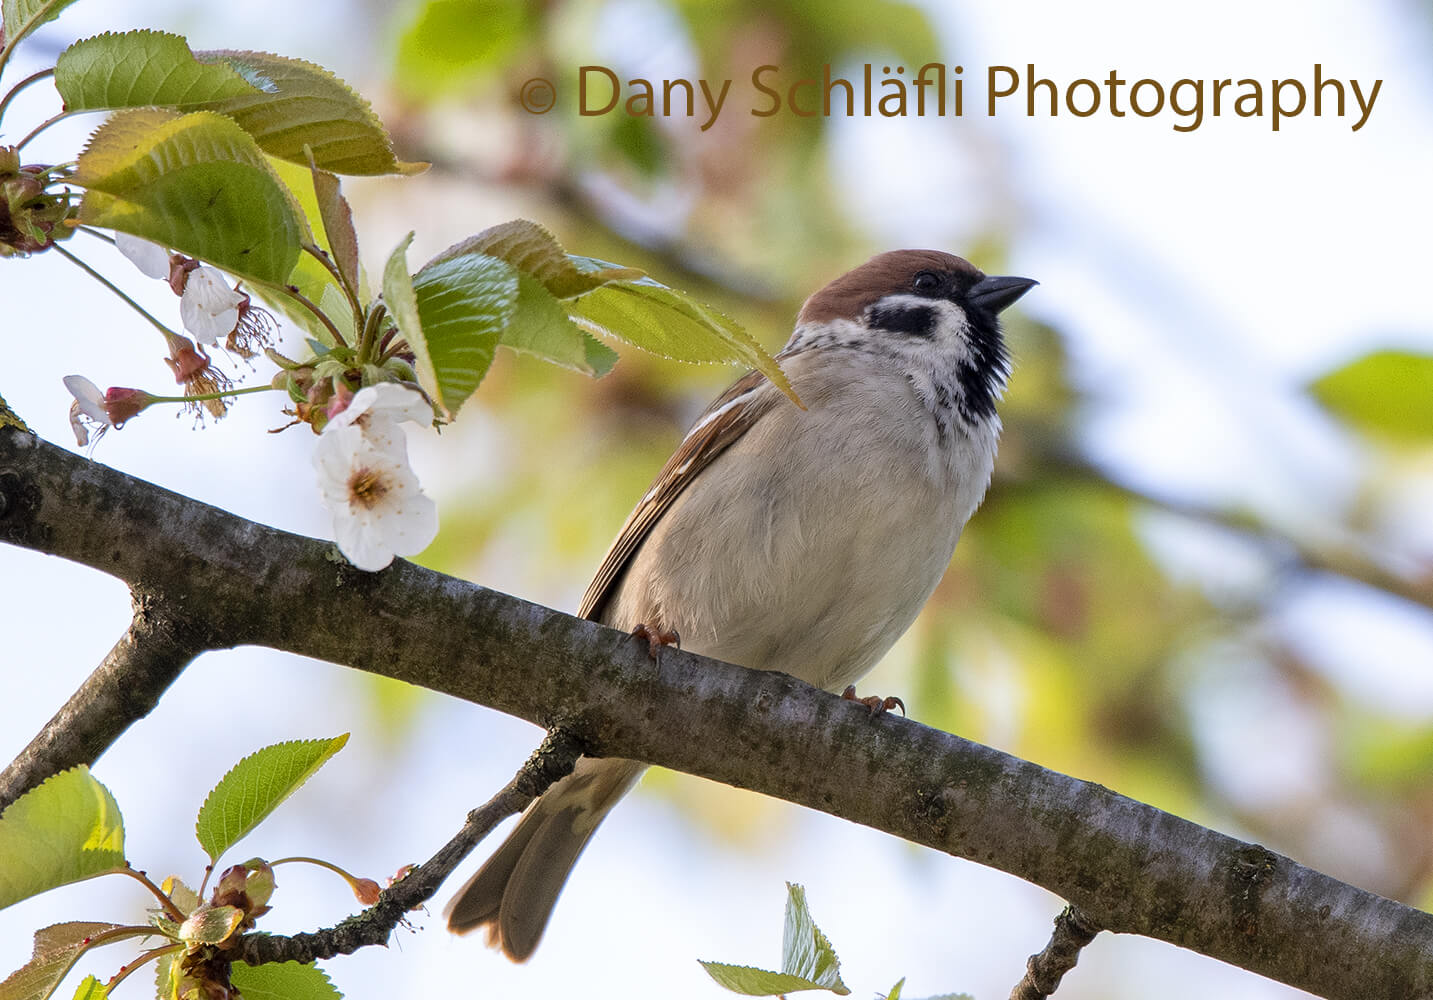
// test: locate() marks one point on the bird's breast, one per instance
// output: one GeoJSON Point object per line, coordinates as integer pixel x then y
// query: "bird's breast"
{"type": "Point", "coordinates": [811, 544]}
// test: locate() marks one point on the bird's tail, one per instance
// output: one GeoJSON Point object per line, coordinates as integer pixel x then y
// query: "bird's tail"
{"type": "Point", "coordinates": [515, 890]}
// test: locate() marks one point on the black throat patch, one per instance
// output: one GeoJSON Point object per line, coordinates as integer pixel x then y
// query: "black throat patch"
{"type": "Point", "coordinates": [983, 376]}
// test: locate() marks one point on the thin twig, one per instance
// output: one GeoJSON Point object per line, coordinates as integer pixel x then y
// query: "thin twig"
{"type": "Point", "coordinates": [1043, 972]}
{"type": "Point", "coordinates": [549, 763]}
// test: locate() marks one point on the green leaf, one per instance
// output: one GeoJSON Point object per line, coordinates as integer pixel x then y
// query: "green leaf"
{"type": "Point", "coordinates": [255, 786]}
{"type": "Point", "coordinates": [534, 251]}
{"type": "Point", "coordinates": [313, 280]}
{"type": "Point", "coordinates": [300, 106]}
{"type": "Point", "coordinates": [808, 962]}
{"type": "Point", "coordinates": [67, 829]}
{"type": "Point", "coordinates": [402, 304]}
{"type": "Point", "coordinates": [756, 982]}
{"type": "Point", "coordinates": [196, 183]}
{"type": "Point", "coordinates": [662, 320]}
{"type": "Point", "coordinates": [1386, 393]}
{"type": "Point", "coordinates": [541, 327]}
{"type": "Point", "coordinates": [600, 357]}
{"type": "Point", "coordinates": [464, 305]}
{"type": "Point", "coordinates": [210, 924]}
{"type": "Point", "coordinates": [285, 104]}
{"type": "Point", "coordinates": [283, 981]}
{"type": "Point", "coordinates": [449, 41]}
{"type": "Point", "coordinates": [24, 16]}
{"type": "Point", "coordinates": [452, 315]}
{"type": "Point", "coordinates": [805, 951]}
{"type": "Point", "coordinates": [185, 899]}
{"type": "Point", "coordinates": [91, 988]}
{"type": "Point", "coordinates": [136, 69]}
{"type": "Point", "coordinates": [895, 992]}
{"type": "Point", "coordinates": [164, 970]}
{"type": "Point", "coordinates": [57, 948]}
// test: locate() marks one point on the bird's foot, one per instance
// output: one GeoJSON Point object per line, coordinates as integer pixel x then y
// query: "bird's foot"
{"type": "Point", "coordinates": [657, 637]}
{"type": "Point", "coordinates": [875, 703]}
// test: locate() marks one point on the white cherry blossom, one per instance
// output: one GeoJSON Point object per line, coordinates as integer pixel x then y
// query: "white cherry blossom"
{"type": "Point", "coordinates": [379, 509]}
{"type": "Point", "coordinates": [209, 308]}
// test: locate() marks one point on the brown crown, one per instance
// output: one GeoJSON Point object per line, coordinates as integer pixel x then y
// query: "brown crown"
{"type": "Point", "coordinates": [885, 274]}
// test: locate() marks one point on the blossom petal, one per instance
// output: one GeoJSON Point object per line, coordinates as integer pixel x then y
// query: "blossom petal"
{"type": "Point", "coordinates": [88, 397]}
{"type": "Point", "coordinates": [151, 258]}
{"type": "Point", "coordinates": [386, 401]}
{"type": "Point", "coordinates": [414, 525]}
{"type": "Point", "coordinates": [209, 308]}
{"type": "Point", "coordinates": [363, 542]}
{"type": "Point", "coordinates": [378, 507]}
{"type": "Point", "coordinates": [82, 433]}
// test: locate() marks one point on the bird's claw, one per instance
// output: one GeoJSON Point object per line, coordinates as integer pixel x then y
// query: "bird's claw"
{"type": "Point", "coordinates": [875, 703]}
{"type": "Point", "coordinates": [658, 637]}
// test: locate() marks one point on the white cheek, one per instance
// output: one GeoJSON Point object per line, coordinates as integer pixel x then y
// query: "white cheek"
{"type": "Point", "coordinates": [952, 332]}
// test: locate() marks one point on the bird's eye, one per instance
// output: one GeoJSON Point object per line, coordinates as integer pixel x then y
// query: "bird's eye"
{"type": "Point", "coordinates": [926, 282]}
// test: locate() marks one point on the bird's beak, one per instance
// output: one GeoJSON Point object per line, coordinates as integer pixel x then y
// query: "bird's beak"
{"type": "Point", "coordinates": [995, 292]}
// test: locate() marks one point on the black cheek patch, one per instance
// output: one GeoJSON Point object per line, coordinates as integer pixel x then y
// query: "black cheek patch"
{"type": "Point", "coordinates": [917, 321]}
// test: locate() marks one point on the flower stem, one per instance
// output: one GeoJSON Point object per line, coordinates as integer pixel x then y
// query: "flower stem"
{"type": "Point", "coordinates": [360, 886]}
{"type": "Point", "coordinates": [98, 234]}
{"type": "Point", "coordinates": [323, 257]}
{"type": "Point", "coordinates": [170, 910]}
{"type": "Point", "coordinates": [147, 957]}
{"type": "Point", "coordinates": [293, 292]}
{"type": "Point", "coordinates": [168, 333]}
{"type": "Point", "coordinates": [222, 394]}
{"type": "Point", "coordinates": [313, 861]}
{"type": "Point", "coordinates": [61, 116]}
{"type": "Point", "coordinates": [371, 327]}
{"type": "Point", "coordinates": [15, 90]}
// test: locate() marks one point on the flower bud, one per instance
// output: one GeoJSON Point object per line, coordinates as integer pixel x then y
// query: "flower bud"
{"type": "Point", "coordinates": [120, 404]}
{"type": "Point", "coordinates": [260, 885]}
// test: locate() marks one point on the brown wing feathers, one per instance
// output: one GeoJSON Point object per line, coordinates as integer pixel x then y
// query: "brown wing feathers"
{"type": "Point", "coordinates": [722, 423]}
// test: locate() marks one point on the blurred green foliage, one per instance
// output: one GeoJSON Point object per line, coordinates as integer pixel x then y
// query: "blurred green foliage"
{"type": "Point", "coordinates": [1387, 393]}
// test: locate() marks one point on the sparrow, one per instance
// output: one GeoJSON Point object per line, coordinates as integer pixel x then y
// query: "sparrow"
{"type": "Point", "coordinates": [781, 538]}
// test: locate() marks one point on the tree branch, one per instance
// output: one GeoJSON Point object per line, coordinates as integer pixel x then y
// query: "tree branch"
{"type": "Point", "coordinates": [124, 688]}
{"type": "Point", "coordinates": [1043, 972]}
{"type": "Point", "coordinates": [550, 762]}
{"type": "Point", "coordinates": [1129, 867]}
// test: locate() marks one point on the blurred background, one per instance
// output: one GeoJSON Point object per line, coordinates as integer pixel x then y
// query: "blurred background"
{"type": "Point", "coordinates": [1203, 576]}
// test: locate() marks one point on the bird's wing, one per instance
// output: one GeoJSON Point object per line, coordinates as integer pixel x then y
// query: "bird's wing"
{"type": "Point", "coordinates": [722, 423]}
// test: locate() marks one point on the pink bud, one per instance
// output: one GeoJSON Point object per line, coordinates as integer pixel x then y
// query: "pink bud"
{"type": "Point", "coordinates": [342, 396]}
{"type": "Point", "coordinates": [120, 404]}
{"type": "Point", "coordinates": [366, 890]}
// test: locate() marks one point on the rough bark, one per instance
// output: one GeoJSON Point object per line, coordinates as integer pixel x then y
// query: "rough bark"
{"type": "Point", "coordinates": [1128, 867]}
